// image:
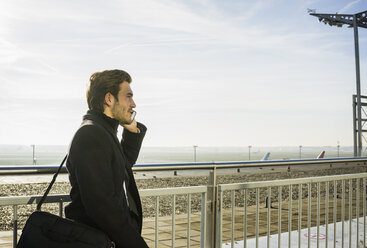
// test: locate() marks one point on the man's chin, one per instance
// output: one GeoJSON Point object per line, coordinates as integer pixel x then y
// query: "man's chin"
{"type": "Point", "coordinates": [126, 122]}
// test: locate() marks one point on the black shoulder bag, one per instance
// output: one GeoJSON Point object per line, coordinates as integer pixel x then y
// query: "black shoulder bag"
{"type": "Point", "coordinates": [45, 230]}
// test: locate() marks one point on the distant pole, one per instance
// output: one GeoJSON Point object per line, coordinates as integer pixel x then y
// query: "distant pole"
{"type": "Point", "coordinates": [338, 147]}
{"type": "Point", "coordinates": [300, 151]}
{"type": "Point", "coordinates": [249, 152]}
{"type": "Point", "coordinates": [33, 157]}
{"type": "Point", "coordinates": [195, 146]}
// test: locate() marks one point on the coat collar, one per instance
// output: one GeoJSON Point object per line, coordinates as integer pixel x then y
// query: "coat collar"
{"type": "Point", "coordinates": [109, 123]}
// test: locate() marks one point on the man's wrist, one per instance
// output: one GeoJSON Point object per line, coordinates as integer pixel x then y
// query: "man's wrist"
{"type": "Point", "coordinates": [134, 130]}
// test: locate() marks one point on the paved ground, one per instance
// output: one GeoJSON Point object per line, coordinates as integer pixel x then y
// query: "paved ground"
{"type": "Point", "coordinates": [165, 224]}
{"type": "Point", "coordinates": [303, 239]}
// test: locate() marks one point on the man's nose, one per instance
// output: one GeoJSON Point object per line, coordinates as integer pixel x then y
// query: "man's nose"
{"type": "Point", "coordinates": [133, 105]}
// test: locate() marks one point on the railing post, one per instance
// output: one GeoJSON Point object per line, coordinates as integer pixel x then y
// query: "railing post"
{"type": "Point", "coordinates": [15, 225]}
{"type": "Point", "coordinates": [219, 219]}
{"type": "Point", "coordinates": [61, 208]}
{"type": "Point", "coordinates": [211, 210]}
{"type": "Point", "coordinates": [203, 227]}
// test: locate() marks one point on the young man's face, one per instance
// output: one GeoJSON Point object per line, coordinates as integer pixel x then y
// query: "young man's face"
{"type": "Point", "coordinates": [122, 108]}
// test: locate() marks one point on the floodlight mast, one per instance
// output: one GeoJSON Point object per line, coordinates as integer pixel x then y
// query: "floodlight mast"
{"type": "Point", "coordinates": [355, 21]}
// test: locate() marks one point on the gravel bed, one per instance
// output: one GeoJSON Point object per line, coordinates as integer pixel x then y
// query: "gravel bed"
{"type": "Point", "coordinates": [6, 213]}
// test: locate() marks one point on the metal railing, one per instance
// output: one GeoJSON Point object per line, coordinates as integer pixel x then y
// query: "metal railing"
{"type": "Point", "coordinates": [16, 201]}
{"type": "Point", "coordinates": [37, 169]}
{"type": "Point", "coordinates": [300, 196]}
{"type": "Point", "coordinates": [234, 212]}
{"type": "Point", "coordinates": [157, 193]}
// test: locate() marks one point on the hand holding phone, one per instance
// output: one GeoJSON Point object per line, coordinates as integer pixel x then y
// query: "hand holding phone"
{"type": "Point", "coordinates": [133, 126]}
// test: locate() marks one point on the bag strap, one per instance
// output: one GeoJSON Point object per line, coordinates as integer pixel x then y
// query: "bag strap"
{"type": "Point", "coordinates": [50, 185]}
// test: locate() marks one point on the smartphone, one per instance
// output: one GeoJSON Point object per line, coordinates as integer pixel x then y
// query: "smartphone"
{"type": "Point", "coordinates": [133, 114]}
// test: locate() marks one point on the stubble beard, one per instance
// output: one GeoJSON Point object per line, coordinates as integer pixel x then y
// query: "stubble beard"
{"type": "Point", "coordinates": [119, 114]}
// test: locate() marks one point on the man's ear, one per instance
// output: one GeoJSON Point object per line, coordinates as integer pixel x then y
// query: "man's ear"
{"type": "Point", "coordinates": [109, 99]}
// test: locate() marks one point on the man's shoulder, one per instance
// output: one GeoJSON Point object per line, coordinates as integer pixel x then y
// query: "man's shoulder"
{"type": "Point", "coordinates": [90, 130]}
{"type": "Point", "coordinates": [90, 126]}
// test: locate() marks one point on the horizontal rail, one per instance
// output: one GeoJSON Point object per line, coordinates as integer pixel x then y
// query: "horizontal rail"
{"type": "Point", "coordinates": [287, 182]}
{"type": "Point", "coordinates": [173, 191]}
{"type": "Point", "coordinates": [18, 169]}
{"type": "Point", "coordinates": [32, 199]}
{"type": "Point", "coordinates": [242, 164]}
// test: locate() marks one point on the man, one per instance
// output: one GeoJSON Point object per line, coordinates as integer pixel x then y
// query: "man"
{"type": "Point", "coordinates": [103, 189]}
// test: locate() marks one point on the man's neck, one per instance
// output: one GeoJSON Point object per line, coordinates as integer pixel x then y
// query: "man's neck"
{"type": "Point", "coordinates": [108, 112]}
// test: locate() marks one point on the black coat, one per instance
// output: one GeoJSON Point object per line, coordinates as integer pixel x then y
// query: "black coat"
{"type": "Point", "coordinates": [98, 165]}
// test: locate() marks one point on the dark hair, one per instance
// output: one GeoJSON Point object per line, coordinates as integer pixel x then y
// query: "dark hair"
{"type": "Point", "coordinates": [103, 82]}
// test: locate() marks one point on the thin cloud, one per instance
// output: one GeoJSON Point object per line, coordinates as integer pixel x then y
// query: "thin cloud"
{"type": "Point", "coordinates": [348, 6]}
{"type": "Point", "coordinates": [161, 42]}
{"type": "Point", "coordinates": [254, 9]}
{"type": "Point", "coordinates": [9, 52]}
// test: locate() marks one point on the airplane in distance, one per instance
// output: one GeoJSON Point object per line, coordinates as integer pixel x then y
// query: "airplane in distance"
{"type": "Point", "coordinates": [267, 156]}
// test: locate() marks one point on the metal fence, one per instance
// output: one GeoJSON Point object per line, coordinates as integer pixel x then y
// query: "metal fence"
{"type": "Point", "coordinates": [292, 207]}
{"type": "Point", "coordinates": [189, 191]}
{"type": "Point", "coordinates": [16, 201]}
{"type": "Point", "coordinates": [233, 215]}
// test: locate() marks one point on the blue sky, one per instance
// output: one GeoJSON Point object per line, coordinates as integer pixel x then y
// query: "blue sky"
{"type": "Point", "coordinates": [211, 73]}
